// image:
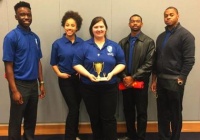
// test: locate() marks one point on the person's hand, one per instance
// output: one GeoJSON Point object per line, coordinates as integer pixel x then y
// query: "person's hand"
{"type": "Point", "coordinates": [42, 91]}
{"type": "Point", "coordinates": [64, 75]}
{"type": "Point", "coordinates": [92, 78]}
{"type": "Point", "coordinates": [109, 76]}
{"type": "Point", "coordinates": [180, 81]}
{"type": "Point", "coordinates": [17, 97]}
{"type": "Point", "coordinates": [128, 81]}
{"type": "Point", "coordinates": [153, 86]}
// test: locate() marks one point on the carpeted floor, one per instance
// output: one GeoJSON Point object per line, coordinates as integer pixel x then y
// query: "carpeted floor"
{"type": "Point", "coordinates": [150, 136]}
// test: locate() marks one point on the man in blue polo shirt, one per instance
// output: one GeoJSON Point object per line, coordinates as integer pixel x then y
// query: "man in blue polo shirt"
{"type": "Point", "coordinates": [23, 70]}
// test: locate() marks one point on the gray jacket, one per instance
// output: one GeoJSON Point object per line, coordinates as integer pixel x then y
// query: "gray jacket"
{"type": "Point", "coordinates": [176, 58]}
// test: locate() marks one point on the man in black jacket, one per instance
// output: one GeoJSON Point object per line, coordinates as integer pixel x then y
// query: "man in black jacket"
{"type": "Point", "coordinates": [175, 50]}
{"type": "Point", "coordinates": [139, 53]}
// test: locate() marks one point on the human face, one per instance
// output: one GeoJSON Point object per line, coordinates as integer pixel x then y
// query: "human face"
{"type": "Point", "coordinates": [99, 30]}
{"type": "Point", "coordinates": [24, 17]}
{"type": "Point", "coordinates": [135, 24]}
{"type": "Point", "coordinates": [70, 27]}
{"type": "Point", "coordinates": [171, 18]}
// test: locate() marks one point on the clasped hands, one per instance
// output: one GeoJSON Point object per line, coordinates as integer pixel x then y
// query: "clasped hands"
{"type": "Point", "coordinates": [95, 79]}
{"type": "Point", "coordinates": [128, 81]}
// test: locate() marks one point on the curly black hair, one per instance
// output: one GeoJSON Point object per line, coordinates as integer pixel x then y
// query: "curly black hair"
{"type": "Point", "coordinates": [74, 15]}
{"type": "Point", "coordinates": [22, 4]}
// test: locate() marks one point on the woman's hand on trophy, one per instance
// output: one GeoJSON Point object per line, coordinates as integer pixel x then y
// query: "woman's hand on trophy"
{"type": "Point", "coordinates": [109, 76]}
{"type": "Point", "coordinates": [92, 78]}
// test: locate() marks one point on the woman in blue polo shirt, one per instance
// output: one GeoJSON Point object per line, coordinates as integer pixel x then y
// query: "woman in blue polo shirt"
{"type": "Point", "coordinates": [62, 54]}
{"type": "Point", "coordinates": [100, 97]}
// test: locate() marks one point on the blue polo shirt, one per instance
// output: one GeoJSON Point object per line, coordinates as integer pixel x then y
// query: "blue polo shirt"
{"type": "Point", "coordinates": [111, 54]}
{"type": "Point", "coordinates": [23, 49]}
{"type": "Point", "coordinates": [62, 53]}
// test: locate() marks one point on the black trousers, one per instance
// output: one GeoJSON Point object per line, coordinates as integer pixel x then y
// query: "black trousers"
{"type": "Point", "coordinates": [101, 102]}
{"type": "Point", "coordinates": [169, 106]}
{"type": "Point", "coordinates": [26, 111]}
{"type": "Point", "coordinates": [70, 90]}
{"type": "Point", "coordinates": [135, 103]}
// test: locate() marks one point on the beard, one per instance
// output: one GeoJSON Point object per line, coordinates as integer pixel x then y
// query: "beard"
{"type": "Point", "coordinates": [135, 29]}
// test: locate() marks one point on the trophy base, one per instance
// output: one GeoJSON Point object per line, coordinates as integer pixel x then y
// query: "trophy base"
{"type": "Point", "coordinates": [102, 79]}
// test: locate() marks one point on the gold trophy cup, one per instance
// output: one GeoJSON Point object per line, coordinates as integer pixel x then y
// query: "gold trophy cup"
{"type": "Point", "coordinates": [98, 68]}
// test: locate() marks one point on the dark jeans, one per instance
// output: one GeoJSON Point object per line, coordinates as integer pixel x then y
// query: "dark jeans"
{"type": "Point", "coordinates": [169, 105]}
{"type": "Point", "coordinates": [26, 111]}
{"type": "Point", "coordinates": [70, 90]}
{"type": "Point", "coordinates": [101, 102]}
{"type": "Point", "coordinates": [135, 101]}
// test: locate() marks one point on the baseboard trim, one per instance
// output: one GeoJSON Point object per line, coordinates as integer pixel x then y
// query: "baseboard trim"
{"type": "Point", "coordinates": [84, 128]}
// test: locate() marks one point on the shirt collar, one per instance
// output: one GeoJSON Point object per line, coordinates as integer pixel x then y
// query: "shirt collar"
{"type": "Point", "coordinates": [172, 30]}
{"type": "Point", "coordinates": [91, 42]}
{"type": "Point", "coordinates": [23, 30]}
{"type": "Point", "coordinates": [134, 37]}
{"type": "Point", "coordinates": [67, 40]}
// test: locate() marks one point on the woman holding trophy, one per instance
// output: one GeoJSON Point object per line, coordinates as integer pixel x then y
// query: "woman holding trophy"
{"type": "Point", "coordinates": [99, 60]}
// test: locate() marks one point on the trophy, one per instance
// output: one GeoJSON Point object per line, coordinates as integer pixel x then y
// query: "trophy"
{"type": "Point", "coordinates": [98, 68]}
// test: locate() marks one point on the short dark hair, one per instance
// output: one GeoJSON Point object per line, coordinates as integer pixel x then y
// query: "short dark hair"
{"type": "Point", "coordinates": [21, 4]}
{"type": "Point", "coordinates": [94, 21]}
{"type": "Point", "coordinates": [171, 7]}
{"type": "Point", "coordinates": [135, 15]}
{"type": "Point", "coordinates": [74, 15]}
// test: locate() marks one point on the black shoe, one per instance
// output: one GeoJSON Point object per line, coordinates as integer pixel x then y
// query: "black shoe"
{"type": "Point", "coordinates": [124, 138]}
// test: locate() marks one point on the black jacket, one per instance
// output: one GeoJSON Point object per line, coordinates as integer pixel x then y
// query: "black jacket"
{"type": "Point", "coordinates": [143, 56]}
{"type": "Point", "coordinates": [177, 56]}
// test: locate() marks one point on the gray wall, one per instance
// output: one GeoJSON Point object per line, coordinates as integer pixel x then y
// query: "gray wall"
{"type": "Point", "coordinates": [47, 16]}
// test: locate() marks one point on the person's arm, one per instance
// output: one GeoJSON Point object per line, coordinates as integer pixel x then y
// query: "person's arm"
{"type": "Point", "coordinates": [122, 74]}
{"type": "Point", "coordinates": [16, 95]}
{"type": "Point", "coordinates": [41, 82]}
{"type": "Point", "coordinates": [80, 69]}
{"type": "Point", "coordinates": [118, 68]}
{"type": "Point", "coordinates": [59, 73]}
{"type": "Point", "coordinates": [188, 55]}
{"type": "Point", "coordinates": [154, 83]}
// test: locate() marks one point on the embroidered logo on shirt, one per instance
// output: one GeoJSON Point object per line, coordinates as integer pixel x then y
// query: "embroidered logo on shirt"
{"type": "Point", "coordinates": [109, 49]}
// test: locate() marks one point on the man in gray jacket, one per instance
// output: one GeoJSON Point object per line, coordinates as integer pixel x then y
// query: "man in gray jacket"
{"type": "Point", "coordinates": [139, 54]}
{"type": "Point", "coordinates": [175, 49]}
